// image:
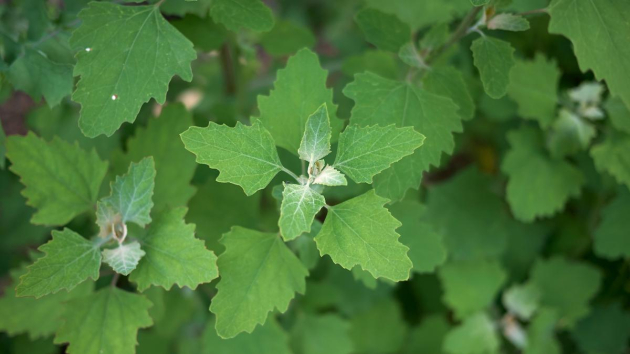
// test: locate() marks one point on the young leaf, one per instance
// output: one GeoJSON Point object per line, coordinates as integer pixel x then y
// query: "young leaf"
{"type": "Point", "coordinates": [380, 101]}
{"type": "Point", "coordinates": [258, 274]}
{"type": "Point", "coordinates": [508, 22]}
{"type": "Point", "coordinates": [494, 58]}
{"type": "Point", "coordinates": [130, 198]}
{"type": "Point", "coordinates": [330, 177]}
{"type": "Point", "coordinates": [611, 156]}
{"type": "Point", "coordinates": [124, 258]}
{"type": "Point", "coordinates": [237, 14]}
{"type": "Point", "coordinates": [126, 56]}
{"type": "Point", "coordinates": [534, 88]}
{"type": "Point", "coordinates": [105, 322]}
{"type": "Point", "coordinates": [476, 335]}
{"type": "Point", "coordinates": [315, 143]}
{"type": "Point", "coordinates": [267, 339]}
{"type": "Point", "coordinates": [62, 181]}
{"type": "Point", "coordinates": [448, 82]}
{"type": "Point", "coordinates": [321, 334]}
{"type": "Point", "coordinates": [611, 239]}
{"type": "Point", "coordinates": [361, 232]}
{"type": "Point", "coordinates": [385, 31]}
{"type": "Point", "coordinates": [544, 192]}
{"type": "Point", "coordinates": [299, 206]}
{"type": "Point", "coordinates": [299, 90]}
{"type": "Point", "coordinates": [365, 152]}
{"type": "Point", "coordinates": [244, 155]}
{"type": "Point", "coordinates": [173, 254]}
{"type": "Point", "coordinates": [597, 30]}
{"type": "Point", "coordinates": [70, 259]}
{"type": "Point", "coordinates": [410, 56]}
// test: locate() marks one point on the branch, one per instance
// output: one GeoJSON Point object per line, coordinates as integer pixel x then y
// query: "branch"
{"type": "Point", "coordinates": [460, 32]}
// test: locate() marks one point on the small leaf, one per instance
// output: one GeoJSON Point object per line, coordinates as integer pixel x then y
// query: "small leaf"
{"type": "Point", "coordinates": [508, 22]}
{"type": "Point", "coordinates": [541, 337]}
{"type": "Point", "coordinates": [315, 143]}
{"type": "Point", "coordinates": [494, 58]}
{"type": "Point", "coordinates": [476, 335]}
{"type": "Point", "coordinates": [410, 56]}
{"type": "Point", "coordinates": [522, 300]}
{"type": "Point", "coordinates": [330, 177]}
{"type": "Point", "coordinates": [244, 155]}
{"type": "Point", "coordinates": [385, 31]}
{"type": "Point", "coordinates": [124, 258]}
{"type": "Point", "coordinates": [299, 206]}
{"type": "Point", "coordinates": [237, 14]}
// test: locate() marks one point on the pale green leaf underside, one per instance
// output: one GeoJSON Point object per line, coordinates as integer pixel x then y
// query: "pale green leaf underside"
{"type": "Point", "coordinates": [329, 176]}
{"type": "Point", "coordinates": [299, 206]}
{"type": "Point", "coordinates": [126, 56]}
{"type": "Point", "coordinates": [173, 254]}
{"type": "Point", "coordinates": [61, 180]}
{"type": "Point", "coordinates": [362, 232]}
{"type": "Point", "coordinates": [612, 239]}
{"type": "Point", "coordinates": [315, 143]}
{"type": "Point", "coordinates": [508, 22]}
{"type": "Point", "coordinates": [237, 14]}
{"type": "Point", "coordinates": [244, 155]}
{"type": "Point", "coordinates": [70, 260]}
{"type": "Point", "coordinates": [124, 258]}
{"type": "Point", "coordinates": [494, 58]}
{"type": "Point", "coordinates": [259, 273]}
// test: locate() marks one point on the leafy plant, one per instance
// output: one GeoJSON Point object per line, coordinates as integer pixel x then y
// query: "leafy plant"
{"type": "Point", "coordinates": [353, 176]}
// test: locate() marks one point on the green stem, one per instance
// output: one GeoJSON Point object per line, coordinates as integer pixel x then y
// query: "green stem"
{"type": "Point", "coordinates": [460, 32]}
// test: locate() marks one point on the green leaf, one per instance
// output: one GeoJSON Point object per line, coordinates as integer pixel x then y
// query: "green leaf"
{"type": "Point", "coordinates": [315, 143]}
{"type": "Point", "coordinates": [267, 339]}
{"type": "Point", "coordinates": [105, 322]}
{"type": "Point", "coordinates": [258, 274]}
{"type": "Point", "coordinates": [597, 30]}
{"type": "Point", "coordinates": [62, 181]}
{"type": "Point", "coordinates": [611, 239]}
{"type": "Point", "coordinates": [605, 330]}
{"type": "Point", "coordinates": [494, 58]}
{"type": "Point", "coordinates": [244, 155]}
{"type": "Point", "coordinates": [476, 335]}
{"type": "Point", "coordinates": [419, 14]}
{"type": "Point", "coordinates": [618, 113]}
{"type": "Point", "coordinates": [287, 38]}
{"type": "Point", "coordinates": [541, 337]}
{"type": "Point", "coordinates": [361, 232]}
{"type": "Point", "coordinates": [321, 334]}
{"type": "Point", "coordinates": [471, 286]}
{"type": "Point", "coordinates": [410, 56]}
{"type": "Point", "coordinates": [385, 31]}
{"type": "Point", "coordinates": [570, 134]}
{"type": "Point", "coordinates": [329, 176]}
{"type": "Point", "coordinates": [70, 259]}
{"type": "Point", "coordinates": [428, 336]}
{"type": "Point", "coordinates": [448, 82]}
{"type": "Point", "coordinates": [426, 247]}
{"type": "Point", "coordinates": [299, 90]}
{"type": "Point", "coordinates": [40, 75]}
{"type": "Point", "coordinates": [566, 286]}
{"type": "Point", "coordinates": [372, 60]}
{"type": "Point", "coordinates": [299, 206]}
{"type": "Point", "coordinates": [534, 88]}
{"type": "Point", "coordinates": [124, 258]}
{"type": "Point", "coordinates": [181, 8]}
{"type": "Point", "coordinates": [379, 329]}
{"type": "Point", "coordinates": [130, 199]}
{"type": "Point", "coordinates": [126, 56]}
{"type": "Point", "coordinates": [173, 254]}
{"type": "Point", "coordinates": [363, 152]}
{"type": "Point", "coordinates": [435, 37]}
{"type": "Point", "coordinates": [479, 2]}
{"type": "Point", "coordinates": [522, 300]}
{"type": "Point", "coordinates": [544, 192]}
{"type": "Point", "coordinates": [380, 101]}
{"type": "Point", "coordinates": [611, 156]}
{"type": "Point", "coordinates": [508, 22]}
{"type": "Point", "coordinates": [237, 14]}
{"type": "Point", "coordinates": [203, 32]}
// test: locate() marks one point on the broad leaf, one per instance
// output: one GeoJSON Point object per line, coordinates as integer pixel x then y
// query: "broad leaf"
{"type": "Point", "coordinates": [321, 334]}
{"type": "Point", "coordinates": [611, 239]}
{"type": "Point", "coordinates": [448, 82]}
{"type": "Point", "coordinates": [173, 254]}
{"type": "Point", "coordinates": [237, 14]}
{"type": "Point", "coordinates": [62, 181]}
{"type": "Point", "coordinates": [267, 339]}
{"type": "Point", "coordinates": [619, 114]}
{"type": "Point", "coordinates": [126, 56]}
{"type": "Point", "coordinates": [315, 143]}
{"type": "Point", "coordinates": [383, 30]}
{"type": "Point", "coordinates": [476, 335]}
{"type": "Point", "coordinates": [494, 58]}
{"type": "Point", "coordinates": [380, 328]}
{"type": "Point", "coordinates": [362, 232]}
{"type": "Point", "coordinates": [105, 322]}
{"type": "Point", "coordinates": [70, 260]}
{"type": "Point", "coordinates": [287, 37]}
{"type": "Point", "coordinates": [299, 206]}
{"type": "Point", "coordinates": [124, 258]}
{"type": "Point", "coordinates": [612, 156]}
{"type": "Point", "coordinates": [258, 274]}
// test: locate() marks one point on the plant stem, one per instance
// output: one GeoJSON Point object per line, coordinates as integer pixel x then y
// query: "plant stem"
{"type": "Point", "coordinates": [115, 280]}
{"type": "Point", "coordinates": [286, 170]}
{"type": "Point", "coordinates": [229, 76]}
{"type": "Point", "coordinates": [533, 12]}
{"type": "Point", "coordinates": [460, 32]}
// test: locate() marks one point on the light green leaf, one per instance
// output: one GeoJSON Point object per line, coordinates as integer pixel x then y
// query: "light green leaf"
{"type": "Point", "coordinates": [544, 192]}
{"type": "Point", "coordinates": [612, 156]}
{"type": "Point", "coordinates": [605, 330]}
{"type": "Point", "coordinates": [410, 56]}
{"type": "Point", "coordinates": [611, 239]}
{"type": "Point", "coordinates": [361, 232]}
{"type": "Point", "coordinates": [494, 58]}
{"type": "Point", "coordinates": [385, 31]}
{"type": "Point", "coordinates": [299, 206]}
{"type": "Point", "coordinates": [287, 38]}
{"type": "Point", "coordinates": [237, 14]}
{"type": "Point", "coordinates": [471, 286]}
{"type": "Point", "coordinates": [130, 199]}
{"type": "Point", "coordinates": [508, 22]}
{"type": "Point", "coordinates": [62, 181]}
{"type": "Point", "coordinates": [570, 134]}
{"type": "Point", "coordinates": [618, 113]}
{"type": "Point", "coordinates": [321, 334]}
{"type": "Point", "coordinates": [267, 339]}
{"type": "Point", "coordinates": [244, 155]}
{"type": "Point", "coordinates": [299, 90]}
{"type": "Point", "coordinates": [448, 82]}
{"type": "Point", "coordinates": [476, 335]}
{"type": "Point", "coordinates": [173, 254]}
{"type": "Point", "coordinates": [366, 151]}
{"type": "Point", "coordinates": [126, 56]}
{"type": "Point", "coordinates": [124, 258]}
{"type": "Point", "coordinates": [534, 88]}
{"type": "Point", "coordinates": [426, 247]}
{"type": "Point", "coordinates": [522, 300]}
{"type": "Point", "coordinates": [105, 322]}
{"type": "Point", "coordinates": [258, 274]}
{"type": "Point", "coordinates": [315, 143]}
{"type": "Point", "coordinates": [70, 259]}
{"type": "Point", "coordinates": [541, 337]}
{"type": "Point", "coordinates": [329, 176]}
{"type": "Point", "coordinates": [380, 328]}
{"type": "Point", "coordinates": [380, 101]}
{"type": "Point", "coordinates": [598, 31]}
